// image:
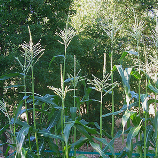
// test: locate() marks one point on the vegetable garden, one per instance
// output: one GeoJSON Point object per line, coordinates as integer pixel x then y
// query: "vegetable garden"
{"type": "Point", "coordinates": [54, 104]}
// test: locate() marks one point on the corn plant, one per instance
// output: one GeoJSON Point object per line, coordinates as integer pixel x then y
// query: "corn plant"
{"type": "Point", "coordinates": [104, 88]}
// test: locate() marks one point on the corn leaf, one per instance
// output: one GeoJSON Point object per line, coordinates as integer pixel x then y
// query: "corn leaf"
{"type": "Point", "coordinates": [98, 149]}
{"type": "Point", "coordinates": [152, 88]}
{"type": "Point", "coordinates": [7, 76]}
{"type": "Point", "coordinates": [103, 140]}
{"type": "Point", "coordinates": [54, 58]}
{"type": "Point", "coordinates": [79, 143]}
{"type": "Point", "coordinates": [132, 133]}
{"type": "Point", "coordinates": [68, 126]}
{"type": "Point", "coordinates": [18, 110]}
{"type": "Point", "coordinates": [83, 131]}
{"type": "Point", "coordinates": [81, 156]}
{"type": "Point", "coordinates": [46, 134]}
{"type": "Point", "coordinates": [125, 117]}
{"type": "Point", "coordinates": [54, 120]}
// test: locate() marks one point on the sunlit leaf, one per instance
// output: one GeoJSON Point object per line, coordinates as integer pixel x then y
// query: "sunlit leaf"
{"type": "Point", "coordinates": [133, 132]}
{"type": "Point", "coordinates": [46, 134]}
{"type": "Point", "coordinates": [125, 117]}
{"type": "Point", "coordinates": [104, 141]}
{"type": "Point", "coordinates": [132, 52]}
{"type": "Point", "coordinates": [98, 149]}
{"type": "Point", "coordinates": [136, 74]}
{"type": "Point", "coordinates": [144, 99]}
{"type": "Point", "coordinates": [20, 138]}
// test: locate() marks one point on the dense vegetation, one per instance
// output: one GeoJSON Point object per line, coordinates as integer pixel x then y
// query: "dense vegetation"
{"type": "Point", "coordinates": [81, 59]}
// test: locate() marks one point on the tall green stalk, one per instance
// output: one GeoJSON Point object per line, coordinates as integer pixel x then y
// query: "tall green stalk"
{"type": "Point", "coordinates": [156, 31]}
{"type": "Point", "coordinates": [66, 35]}
{"type": "Point", "coordinates": [101, 109]}
{"type": "Point", "coordinates": [74, 98]}
{"type": "Point", "coordinates": [145, 112]}
{"type": "Point", "coordinates": [112, 81]}
{"type": "Point", "coordinates": [34, 111]}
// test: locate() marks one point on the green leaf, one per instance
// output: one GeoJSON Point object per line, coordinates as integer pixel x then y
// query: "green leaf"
{"type": "Point", "coordinates": [149, 131]}
{"type": "Point", "coordinates": [125, 75]}
{"type": "Point", "coordinates": [7, 76]}
{"type": "Point", "coordinates": [82, 130]}
{"type": "Point", "coordinates": [46, 134]}
{"type": "Point", "coordinates": [6, 153]}
{"type": "Point", "coordinates": [54, 58]}
{"type": "Point", "coordinates": [103, 140]}
{"type": "Point", "coordinates": [132, 52]}
{"type": "Point", "coordinates": [79, 143]}
{"type": "Point", "coordinates": [88, 129]}
{"type": "Point", "coordinates": [114, 68]}
{"type": "Point", "coordinates": [118, 134]}
{"type": "Point", "coordinates": [81, 156]}
{"type": "Point", "coordinates": [47, 99]}
{"type": "Point", "coordinates": [123, 55]}
{"type": "Point", "coordinates": [132, 133]}
{"type": "Point", "coordinates": [135, 104]}
{"type": "Point", "coordinates": [14, 86]}
{"type": "Point", "coordinates": [135, 119]}
{"type": "Point", "coordinates": [53, 146]}
{"type": "Point", "coordinates": [18, 110]}
{"type": "Point", "coordinates": [4, 128]}
{"type": "Point", "coordinates": [68, 126]}
{"type": "Point", "coordinates": [152, 88]}
{"type": "Point", "coordinates": [125, 117]}
{"type": "Point", "coordinates": [136, 74]}
{"type": "Point", "coordinates": [20, 138]}
{"type": "Point", "coordinates": [54, 120]}
{"type": "Point", "coordinates": [144, 100]}
{"type": "Point", "coordinates": [114, 113]}
{"type": "Point", "coordinates": [98, 149]}
{"type": "Point", "coordinates": [73, 111]}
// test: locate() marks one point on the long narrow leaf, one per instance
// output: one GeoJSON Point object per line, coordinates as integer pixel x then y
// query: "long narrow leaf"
{"type": "Point", "coordinates": [133, 132]}
{"type": "Point", "coordinates": [82, 130]}
{"type": "Point", "coordinates": [68, 126]}
{"type": "Point", "coordinates": [118, 134]}
{"type": "Point", "coordinates": [103, 140]}
{"type": "Point", "coordinates": [46, 134]}
{"type": "Point", "coordinates": [20, 138]}
{"type": "Point", "coordinates": [135, 104]}
{"type": "Point", "coordinates": [7, 76]}
{"type": "Point", "coordinates": [125, 117]}
{"type": "Point", "coordinates": [54, 58]}
{"type": "Point", "coordinates": [18, 110]}
{"type": "Point", "coordinates": [98, 149]}
{"type": "Point", "coordinates": [79, 143]}
{"type": "Point", "coordinates": [54, 120]}
{"type": "Point", "coordinates": [152, 88]}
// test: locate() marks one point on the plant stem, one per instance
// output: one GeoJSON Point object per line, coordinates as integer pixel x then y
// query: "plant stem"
{"type": "Point", "coordinates": [112, 43]}
{"type": "Point", "coordinates": [26, 110]}
{"type": "Point", "coordinates": [156, 87]}
{"type": "Point", "coordinates": [112, 131]}
{"type": "Point", "coordinates": [145, 111]}
{"type": "Point", "coordinates": [74, 98]}
{"type": "Point", "coordinates": [101, 117]}
{"type": "Point", "coordinates": [34, 120]}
